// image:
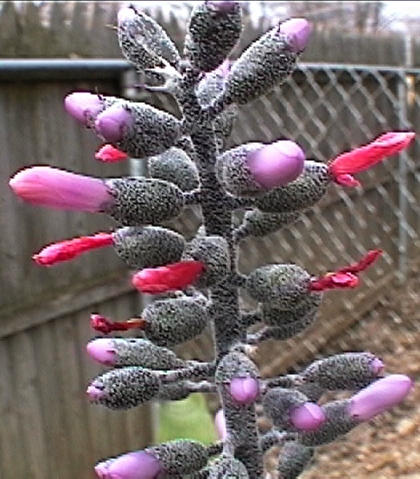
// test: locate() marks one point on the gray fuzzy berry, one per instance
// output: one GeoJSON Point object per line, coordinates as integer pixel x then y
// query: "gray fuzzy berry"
{"type": "Point", "coordinates": [274, 316]}
{"type": "Point", "coordinates": [279, 402]}
{"type": "Point", "coordinates": [293, 460]}
{"type": "Point", "coordinates": [233, 172]}
{"type": "Point", "coordinates": [284, 286]}
{"type": "Point", "coordinates": [347, 371]}
{"type": "Point", "coordinates": [211, 35]}
{"type": "Point", "coordinates": [148, 247]}
{"type": "Point", "coordinates": [266, 63]}
{"type": "Point", "coordinates": [143, 353]}
{"type": "Point", "coordinates": [145, 43]}
{"type": "Point", "coordinates": [175, 166]}
{"type": "Point", "coordinates": [227, 467]}
{"type": "Point", "coordinates": [287, 331]}
{"type": "Point", "coordinates": [337, 423]}
{"type": "Point", "coordinates": [126, 387]}
{"type": "Point", "coordinates": [152, 132]}
{"type": "Point", "coordinates": [140, 201]}
{"type": "Point", "coordinates": [179, 457]}
{"type": "Point", "coordinates": [301, 194]}
{"type": "Point", "coordinates": [174, 321]}
{"type": "Point", "coordinates": [213, 251]}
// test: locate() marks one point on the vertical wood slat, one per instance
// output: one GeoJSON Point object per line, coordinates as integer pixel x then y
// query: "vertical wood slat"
{"type": "Point", "coordinates": [49, 428]}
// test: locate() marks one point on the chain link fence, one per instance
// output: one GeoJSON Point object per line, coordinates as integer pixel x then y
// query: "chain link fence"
{"type": "Point", "coordinates": [329, 109]}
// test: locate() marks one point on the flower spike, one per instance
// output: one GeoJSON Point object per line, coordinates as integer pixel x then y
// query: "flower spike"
{"type": "Point", "coordinates": [69, 249]}
{"type": "Point", "coordinates": [346, 277]}
{"type": "Point", "coordinates": [368, 155]}
{"type": "Point", "coordinates": [171, 277]}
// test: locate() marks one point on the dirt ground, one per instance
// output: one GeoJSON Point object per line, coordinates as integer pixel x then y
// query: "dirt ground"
{"type": "Point", "coordinates": [388, 446]}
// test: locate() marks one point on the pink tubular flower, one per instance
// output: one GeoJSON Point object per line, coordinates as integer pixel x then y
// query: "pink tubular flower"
{"type": "Point", "coordinates": [380, 396]}
{"type": "Point", "coordinates": [60, 189]}
{"type": "Point", "coordinates": [308, 417]}
{"type": "Point", "coordinates": [276, 164]}
{"type": "Point", "coordinates": [102, 351]}
{"type": "Point", "coordinates": [244, 390]}
{"type": "Point", "coordinates": [297, 31]}
{"type": "Point", "coordinates": [113, 123]}
{"type": "Point", "coordinates": [84, 106]}
{"type": "Point", "coordinates": [134, 465]}
{"type": "Point", "coordinates": [368, 155]}
{"type": "Point", "coordinates": [69, 249]}
{"type": "Point", "coordinates": [172, 277]}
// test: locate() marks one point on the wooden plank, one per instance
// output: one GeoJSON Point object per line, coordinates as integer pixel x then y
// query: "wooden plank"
{"type": "Point", "coordinates": [13, 463]}
{"type": "Point", "coordinates": [73, 397]}
{"type": "Point", "coordinates": [29, 413]}
{"type": "Point", "coordinates": [64, 304]}
{"type": "Point", "coordinates": [50, 393]}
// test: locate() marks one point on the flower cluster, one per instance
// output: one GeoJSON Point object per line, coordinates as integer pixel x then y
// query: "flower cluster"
{"type": "Point", "coordinates": [198, 280]}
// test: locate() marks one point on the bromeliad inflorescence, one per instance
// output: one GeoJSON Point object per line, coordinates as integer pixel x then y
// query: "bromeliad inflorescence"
{"type": "Point", "coordinates": [198, 280]}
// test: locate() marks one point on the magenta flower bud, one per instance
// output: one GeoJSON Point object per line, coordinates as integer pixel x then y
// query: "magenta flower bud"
{"type": "Point", "coordinates": [307, 417]}
{"type": "Point", "coordinates": [377, 366]}
{"type": "Point", "coordinates": [55, 188]}
{"type": "Point", "coordinates": [379, 396]}
{"type": "Point", "coordinates": [113, 123]}
{"type": "Point", "coordinates": [220, 424]}
{"type": "Point", "coordinates": [102, 351]}
{"type": "Point", "coordinates": [298, 31]}
{"type": "Point", "coordinates": [84, 106]}
{"type": "Point", "coordinates": [134, 465]}
{"type": "Point", "coordinates": [94, 393]}
{"type": "Point", "coordinates": [276, 164]}
{"type": "Point", "coordinates": [244, 390]}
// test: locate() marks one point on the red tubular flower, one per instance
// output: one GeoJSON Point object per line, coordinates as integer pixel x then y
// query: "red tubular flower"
{"type": "Point", "coordinates": [362, 158]}
{"type": "Point", "coordinates": [167, 278]}
{"type": "Point", "coordinates": [109, 154]}
{"type": "Point", "coordinates": [346, 277]}
{"type": "Point", "coordinates": [106, 326]}
{"type": "Point", "coordinates": [69, 249]}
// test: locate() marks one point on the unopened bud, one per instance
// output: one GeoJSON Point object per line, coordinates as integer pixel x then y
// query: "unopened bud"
{"type": "Point", "coordinates": [213, 30]}
{"type": "Point", "coordinates": [266, 63]}
{"type": "Point", "coordinates": [138, 129]}
{"type": "Point", "coordinates": [293, 459]}
{"type": "Point", "coordinates": [213, 252]}
{"type": "Point", "coordinates": [174, 321]}
{"type": "Point", "coordinates": [347, 371]}
{"type": "Point", "coordinates": [301, 194]}
{"type": "Point", "coordinates": [148, 246]}
{"type": "Point", "coordinates": [143, 41]}
{"type": "Point", "coordinates": [141, 201]}
{"type": "Point", "coordinates": [282, 285]}
{"type": "Point", "coordinates": [175, 166]}
{"type": "Point", "coordinates": [124, 388]}
{"type": "Point", "coordinates": [119, 352]}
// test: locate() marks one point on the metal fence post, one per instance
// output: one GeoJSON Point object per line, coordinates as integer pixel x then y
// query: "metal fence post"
{"type": "Point", "coordinates": [403, 167]}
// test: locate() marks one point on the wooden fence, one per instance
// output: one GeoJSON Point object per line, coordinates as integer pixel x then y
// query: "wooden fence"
{"type": "Point", "coordinates": [49, 429]}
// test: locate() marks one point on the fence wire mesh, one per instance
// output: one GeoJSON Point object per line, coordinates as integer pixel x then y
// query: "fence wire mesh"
{"type": "Point", "coordinates": [328, 109]}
